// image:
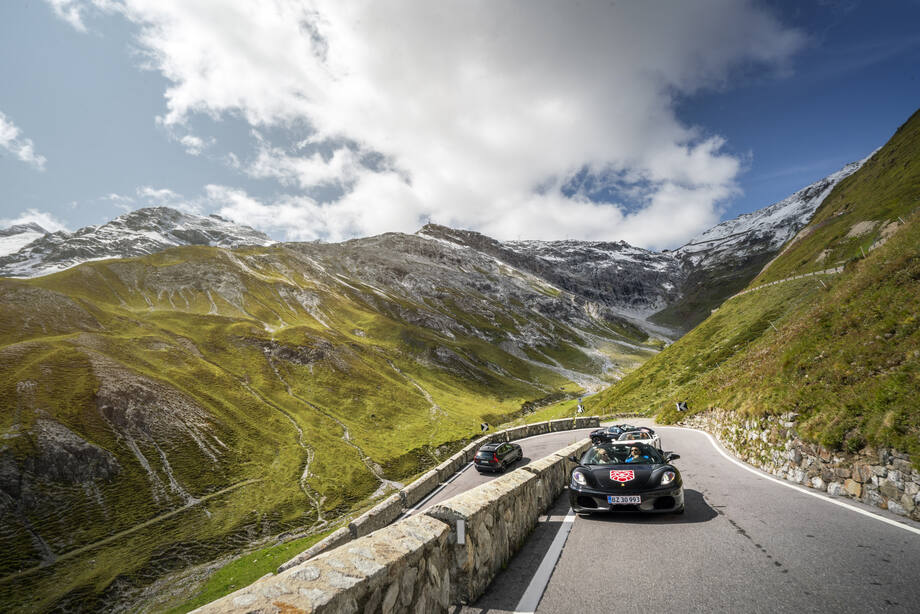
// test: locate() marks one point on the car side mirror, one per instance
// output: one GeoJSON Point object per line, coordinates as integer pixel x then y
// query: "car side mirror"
{"type": "Point", "coordinates": [574, 460]}
{"type": "Point", "coordinates": [671, 456]}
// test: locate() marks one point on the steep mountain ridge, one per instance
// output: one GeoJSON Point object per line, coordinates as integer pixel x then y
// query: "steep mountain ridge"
{"type": "Point", "coordinates": [664, 293]}
{"type": "Point", "coordinates": [765, 229]}
{"type": "Point", "coordinates": [137, 233]}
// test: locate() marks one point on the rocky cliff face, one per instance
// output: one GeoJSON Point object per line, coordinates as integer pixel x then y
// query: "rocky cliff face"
{"type": "Point", "coordinates": [631, 280]}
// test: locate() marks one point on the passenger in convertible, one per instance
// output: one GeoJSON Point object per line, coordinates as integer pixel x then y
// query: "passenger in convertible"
{"type": "Point", "coordinates": [600, 457]}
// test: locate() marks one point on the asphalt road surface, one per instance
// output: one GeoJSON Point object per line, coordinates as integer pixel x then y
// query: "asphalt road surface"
{"type": "Point", "coordinates": [534, 448]}
{"type": "Point", "coordinates": [745, 544]}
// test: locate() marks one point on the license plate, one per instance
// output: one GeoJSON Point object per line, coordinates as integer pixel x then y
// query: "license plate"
{"type": "Point", "coordinates": [623, 499]}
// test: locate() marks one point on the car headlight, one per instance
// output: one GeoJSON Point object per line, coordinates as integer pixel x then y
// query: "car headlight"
{"type": "Point", "coordinates": [579, 478]}
{"type": "Point", "coordinates": [667, 477]}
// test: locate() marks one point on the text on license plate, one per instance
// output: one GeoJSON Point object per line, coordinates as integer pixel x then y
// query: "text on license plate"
{"type": "Point", "coordinates": [623, 499]}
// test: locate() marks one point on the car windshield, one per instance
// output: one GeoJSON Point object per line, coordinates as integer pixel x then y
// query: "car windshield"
{"type": "Point", "coordinates": [613, 454]}
{"type": "Point", "coordinates": [635, 435]}
{"type": "Point", "coordinates": [485, 453]}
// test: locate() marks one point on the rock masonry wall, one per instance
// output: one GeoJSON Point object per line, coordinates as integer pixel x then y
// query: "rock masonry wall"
{"type": "Point", "coordinates": [423, 563]}
{"type": "Point", "coordinates": [878, 476]}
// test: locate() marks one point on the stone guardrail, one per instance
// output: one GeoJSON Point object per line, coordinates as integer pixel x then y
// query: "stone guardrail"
{"type": "Point", "coordinates": [390, 509]}
{"type": "Point", "coordinates": [424, 563]}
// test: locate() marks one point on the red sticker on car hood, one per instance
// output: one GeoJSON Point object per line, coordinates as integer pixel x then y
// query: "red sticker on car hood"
{"type": "Point", "coordinates": [622, 475]}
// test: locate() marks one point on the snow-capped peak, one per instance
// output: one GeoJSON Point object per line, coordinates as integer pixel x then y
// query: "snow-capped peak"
{"type": "Point", "coordinates": [137, 233]}
{"type": "Point", "coordinates": [16, 237]}
{"type": "Point", "coordinates": [769, 227]}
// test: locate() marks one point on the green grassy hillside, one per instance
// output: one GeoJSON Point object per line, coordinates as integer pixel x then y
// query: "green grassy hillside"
{"type": "Point", "coordinates": [841, 350]}
{"type": "Point", "coordinates": [165, 411]}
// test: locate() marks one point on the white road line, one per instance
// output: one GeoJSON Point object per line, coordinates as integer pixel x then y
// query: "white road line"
{"type": "Point", "coordinates": [415, 507]}
{"type": "Point", "coordinates": [531, 597]}
{"type": "Point", "coordinates": [796, 487]}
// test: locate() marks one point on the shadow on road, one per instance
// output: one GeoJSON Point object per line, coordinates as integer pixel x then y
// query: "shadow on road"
{"type": "Point", "coordinates": [696, 510]}
{"type": "Point", "coordinates": [515, 465]}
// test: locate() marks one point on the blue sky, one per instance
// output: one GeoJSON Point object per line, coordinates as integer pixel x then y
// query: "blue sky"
{"type": "Point", "coordinates": [647, 122]}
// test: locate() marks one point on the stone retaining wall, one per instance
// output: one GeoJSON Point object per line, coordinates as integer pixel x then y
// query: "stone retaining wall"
{"type": "Point", "coordinates": [401, 568]}
{"type": "Point", "coordinates": [450, 467]}
{"type": "Point", "coordinates": [387, 511]}
{"type": "Point", "coordinates": [333, 540]}
{"type": "Point", "coordinates": [377, 517]}
{"type": "Point", "coordinates": [496, 517]}
{"type": "Point", "coordinates": [424, 563]}
{"type": "Point", "coordinates": [417, 490]}
{"type": "Point", "coordinates": [878, 476]}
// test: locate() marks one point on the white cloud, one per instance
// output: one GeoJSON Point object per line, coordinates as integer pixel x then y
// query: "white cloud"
{"type": "Point", "coordinates": [32, 216]}
{"type": "Point", "coordinates": [342, 168]}
{"type": "Point", "coordinates": [22, 148]}
{"type": "Point", "coordinates": [158, 196]}
{"type": "Point", "coordinates": [70, 11]}
{"type": "Point", "coordinates": [195, 145]}
{"type": "Point", "coordinates": [482, 110]}
{"type": "Point", "coordinates": [148, 196]}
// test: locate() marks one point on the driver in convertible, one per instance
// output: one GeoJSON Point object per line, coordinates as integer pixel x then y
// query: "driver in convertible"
{"type": "Point", "coordinates": [635, 456]}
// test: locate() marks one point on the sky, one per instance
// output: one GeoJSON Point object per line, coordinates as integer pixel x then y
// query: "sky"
{"type": "Point", "coordinates": [647, 122]}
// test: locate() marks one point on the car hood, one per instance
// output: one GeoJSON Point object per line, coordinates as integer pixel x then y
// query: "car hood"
{"type": "Point", "coordinates": [639, 479]}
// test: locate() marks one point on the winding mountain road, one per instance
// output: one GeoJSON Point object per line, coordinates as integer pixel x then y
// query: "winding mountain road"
{"type": "Point", "coordinates": [747, 543]}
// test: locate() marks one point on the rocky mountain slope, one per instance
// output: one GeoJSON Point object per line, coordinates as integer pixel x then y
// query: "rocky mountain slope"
{"type": "Point", "coordinates": [634, 281]}
{"type": "Point", "coordinates": [721, 261]}
{"type": "Point", "coordinates": [138, 233]}
{"type": "Point", "coordinates": [665, 293]}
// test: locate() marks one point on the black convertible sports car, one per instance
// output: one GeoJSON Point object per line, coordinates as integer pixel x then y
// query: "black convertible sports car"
{"type": "Point", "coordinates": [612, 433]}
{"type": "Point", "coordinates": [635, 477]}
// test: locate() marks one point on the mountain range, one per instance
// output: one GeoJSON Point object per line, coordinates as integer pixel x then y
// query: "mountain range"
{"type": "Point", "coordinates": [639, 285]}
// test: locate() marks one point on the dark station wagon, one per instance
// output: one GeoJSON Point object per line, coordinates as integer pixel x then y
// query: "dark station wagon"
{"type": "Point", "coordinates": [497, 456]}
